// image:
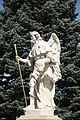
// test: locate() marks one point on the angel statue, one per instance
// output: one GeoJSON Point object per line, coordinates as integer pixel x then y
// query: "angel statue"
{"type": "Point", "coordinates": [44, 60]}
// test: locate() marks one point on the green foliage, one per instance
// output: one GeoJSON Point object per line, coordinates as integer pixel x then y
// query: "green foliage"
{"type": "Point", "coordinates": [18, 18]}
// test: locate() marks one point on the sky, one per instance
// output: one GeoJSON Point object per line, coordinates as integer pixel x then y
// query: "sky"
{"type": "Point", "coordinates": [77, 8]}
{"type": "Point", "coordinates": [1, 7]}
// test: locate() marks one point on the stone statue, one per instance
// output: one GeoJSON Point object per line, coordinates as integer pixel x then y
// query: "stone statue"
{"type": "Point", "coordinates": [44, 60]}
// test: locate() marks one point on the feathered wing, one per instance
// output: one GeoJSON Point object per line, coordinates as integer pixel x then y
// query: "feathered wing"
{"type": "Point", "coordinates": [56, 49]}
{"type": "Point", "coordinates": [55, 46]}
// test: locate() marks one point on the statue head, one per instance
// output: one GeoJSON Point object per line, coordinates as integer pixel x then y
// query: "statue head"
{"type": "Point", "coordinates": [35, 36]}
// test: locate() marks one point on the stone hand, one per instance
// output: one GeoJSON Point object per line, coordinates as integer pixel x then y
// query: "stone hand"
{"type": "Point", "coordinates": [21, 59]}
{"type": "Point", "coordinates": [18, 58]}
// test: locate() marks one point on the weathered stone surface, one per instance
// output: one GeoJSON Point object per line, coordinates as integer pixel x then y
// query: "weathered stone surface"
{"type": "Point", "coordinates": [44, 59]}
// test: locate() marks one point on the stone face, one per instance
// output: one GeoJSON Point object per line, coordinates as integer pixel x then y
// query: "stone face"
{"type": "Point", "coordinates": [39, 117]}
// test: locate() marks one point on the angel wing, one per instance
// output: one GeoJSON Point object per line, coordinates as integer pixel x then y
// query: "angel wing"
{"type": "Point", "coordinates": [56, 49]}
{"type": "Point", "coordinates": [55, 46]}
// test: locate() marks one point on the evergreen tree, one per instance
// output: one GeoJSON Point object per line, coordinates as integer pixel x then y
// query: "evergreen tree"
{"type": "Point", "coordinates": [18, 18]}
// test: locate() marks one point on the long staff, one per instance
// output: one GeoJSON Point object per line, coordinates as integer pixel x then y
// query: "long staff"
{"type": "Point", "coordinates": [20, 75]}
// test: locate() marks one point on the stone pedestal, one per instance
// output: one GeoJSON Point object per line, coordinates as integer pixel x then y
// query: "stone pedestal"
{"type": "Point", "coordinates": [39, 117]}
{"type": "Point", "coordinates": [39, 114]}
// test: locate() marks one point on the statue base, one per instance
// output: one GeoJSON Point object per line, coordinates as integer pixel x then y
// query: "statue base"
{"type": "Point", "coordinates": [34, 112]}
{"type": "Point", "coordinates": [39, 114]}
{"type": "Point", "coordinates": [39, 117]}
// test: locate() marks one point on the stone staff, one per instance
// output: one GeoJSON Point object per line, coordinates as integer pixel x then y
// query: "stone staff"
{"type": "Point", "coordinates": [20, 75]}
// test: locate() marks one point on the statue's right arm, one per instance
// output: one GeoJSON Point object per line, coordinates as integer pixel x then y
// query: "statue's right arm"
{"type": "Point", "coordinates": [21, 59]}
{"type": "Point", "coordinates": [27, 61]}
